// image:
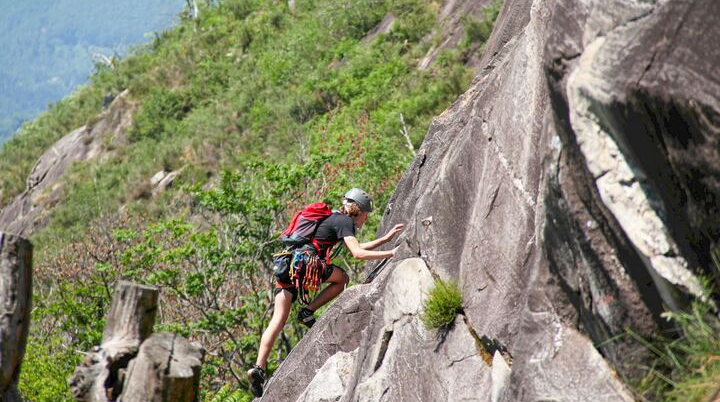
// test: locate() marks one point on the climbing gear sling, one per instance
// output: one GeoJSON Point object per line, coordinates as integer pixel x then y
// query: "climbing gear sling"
{"type": "Point", "coordinates": [306, 273]}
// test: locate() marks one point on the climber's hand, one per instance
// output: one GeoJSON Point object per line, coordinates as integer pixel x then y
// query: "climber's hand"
{"type": "Point", "coordinates": [394, 231]}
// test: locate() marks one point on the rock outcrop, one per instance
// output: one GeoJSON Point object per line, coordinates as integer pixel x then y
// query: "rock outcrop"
{"type": "Point", "coordinates": [15, 300]}
{"type": "Point", "coordinates": [573, 193]}
{"type": "Point", "coordinates": [134, 365]}
{"type": "Point", "coordinates": [29, 209]}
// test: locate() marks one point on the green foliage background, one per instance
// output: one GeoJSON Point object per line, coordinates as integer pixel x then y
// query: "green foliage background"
{"type": "Point", "coordinates": [261, 109]}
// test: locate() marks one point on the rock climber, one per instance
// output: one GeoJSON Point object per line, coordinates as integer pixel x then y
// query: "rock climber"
{"type": "Point", "coordinates": [340, 225]}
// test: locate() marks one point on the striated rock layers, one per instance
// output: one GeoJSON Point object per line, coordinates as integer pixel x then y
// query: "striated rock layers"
{"type": "Point", "coordinates": [572, 191]}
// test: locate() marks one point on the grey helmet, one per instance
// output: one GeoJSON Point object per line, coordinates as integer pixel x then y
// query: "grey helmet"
{"type": "Point", "coordinates": [361, 198]}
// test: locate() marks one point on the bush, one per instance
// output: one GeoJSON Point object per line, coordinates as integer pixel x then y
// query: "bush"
{"type": "Point", "coordinates": [442, 305]}
{"type": "Point", "coordinates": [227, 394]}
{"type": "Point", "coordinates": [161, 114]}
{"type": "Point", "coordinates": [45, 369]}
{"type": "Point", "coordinates": [687, 368]}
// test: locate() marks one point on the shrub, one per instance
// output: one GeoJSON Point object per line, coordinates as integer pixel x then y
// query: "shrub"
{"type": "Point", "coordinates": [442, 305]}
{"type": "Point", "coordinates": [45, 369]}
{"type": "Point", "coordinates": [479, 30]}
{"type": "Point", "coordinates": [227, 394]}
{"type": "Point", "coordinates": [687, 368]}
{"type": "Point", "coordinates": [161, 113]}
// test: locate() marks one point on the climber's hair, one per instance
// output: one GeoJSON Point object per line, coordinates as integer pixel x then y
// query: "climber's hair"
{"type": "Point", "coordinates": [350, 209]}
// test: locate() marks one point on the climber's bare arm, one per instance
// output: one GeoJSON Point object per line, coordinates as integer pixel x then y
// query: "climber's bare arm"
{"type": "Point", "coordinates": [360, 253]}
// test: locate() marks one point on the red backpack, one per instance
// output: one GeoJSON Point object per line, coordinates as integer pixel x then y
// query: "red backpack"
{"type": "Point", "coordinates": [303, 225]}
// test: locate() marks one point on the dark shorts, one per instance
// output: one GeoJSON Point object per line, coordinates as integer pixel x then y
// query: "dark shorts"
{"type": "Point", "coordinates": [279, 286]}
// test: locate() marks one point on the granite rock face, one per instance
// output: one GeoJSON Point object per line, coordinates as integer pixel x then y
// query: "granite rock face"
{"type": "Point", "coordinates": [572, 192]}
{"type": "Point", "coordinates": [45, 185]}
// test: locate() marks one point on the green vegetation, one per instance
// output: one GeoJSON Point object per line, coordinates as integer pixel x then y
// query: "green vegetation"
{"type": "Point", "coordinates": [226, 394]}
{"type": "Point", "coordinates": [49, 47]}
{"type": "Point", "coordinates": [687, 368]}
{"type": "Point", "coordinates": [261, 109]}
{"type": "Point", "coordinates": [46, 378]}
{"type": "Point", "coordinates": [442, 305]}
{"type": "Point", "coordinates": [687, 362]}
{"type": "Point", "coordinates": [478, 30]}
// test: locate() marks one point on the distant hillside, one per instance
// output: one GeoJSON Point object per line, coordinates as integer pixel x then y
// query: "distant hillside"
{"type": "Point", "coordinates": [48, 47]}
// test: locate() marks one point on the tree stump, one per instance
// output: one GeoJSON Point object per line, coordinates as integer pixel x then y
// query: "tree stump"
{"type": "Point", "coordinates": [167, 369]}
{"type": "Point", "coordinates": [15, 299]}
{"type": "Point", "coordinates": [131, 364]}
{"type": "Point", "coordinates": [129, 323]}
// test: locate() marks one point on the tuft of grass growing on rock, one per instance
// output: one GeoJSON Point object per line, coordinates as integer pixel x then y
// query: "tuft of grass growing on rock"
{"type": "Point", "coordinates": [442, 305]}
{"type": "Point", "coordinates": [686, 367]}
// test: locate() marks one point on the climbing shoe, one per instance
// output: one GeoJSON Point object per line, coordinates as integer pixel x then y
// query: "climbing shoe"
{"type": "Point", "coordinates": [305, 316]}
{"type": "Point", "coordinates": [256, 376]}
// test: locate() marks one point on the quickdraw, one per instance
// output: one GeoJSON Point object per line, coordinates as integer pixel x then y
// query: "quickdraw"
{"type": "Point", "coordinates": [306, 272]}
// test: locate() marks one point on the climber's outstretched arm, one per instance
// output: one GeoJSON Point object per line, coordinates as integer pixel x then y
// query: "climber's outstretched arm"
{"type": "Point", "coordinates": [360, 253]}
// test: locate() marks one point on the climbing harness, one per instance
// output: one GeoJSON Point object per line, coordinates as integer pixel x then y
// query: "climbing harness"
{"type": "Point", "coordinates": [300, 265]}
{"type": "Point", "coordinates": [306, 272]}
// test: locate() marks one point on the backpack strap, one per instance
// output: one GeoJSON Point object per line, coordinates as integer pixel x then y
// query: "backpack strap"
{"type": "Point", "coordinates": [318, 247]}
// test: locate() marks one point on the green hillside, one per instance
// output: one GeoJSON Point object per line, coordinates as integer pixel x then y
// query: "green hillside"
{"type": "Point", "coordinates": [260, 108]}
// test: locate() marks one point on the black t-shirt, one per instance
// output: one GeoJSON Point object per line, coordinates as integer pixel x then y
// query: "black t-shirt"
{"type": "Point", "coordinates": [335, 227]}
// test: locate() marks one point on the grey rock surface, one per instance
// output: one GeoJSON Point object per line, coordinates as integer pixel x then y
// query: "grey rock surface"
{"type": "Point", "coordinates": [166, 369]}
{"type": "Point", "coordinates": [500, 374]}
{"type": "Point", "coordinates": [330, 382]}
{"type": "Point", "coordinates": [572, 191]}
{"type": "Point", "coordinates": [29, 209]}
{"type": "Point", "coordinates": [15, 306]}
